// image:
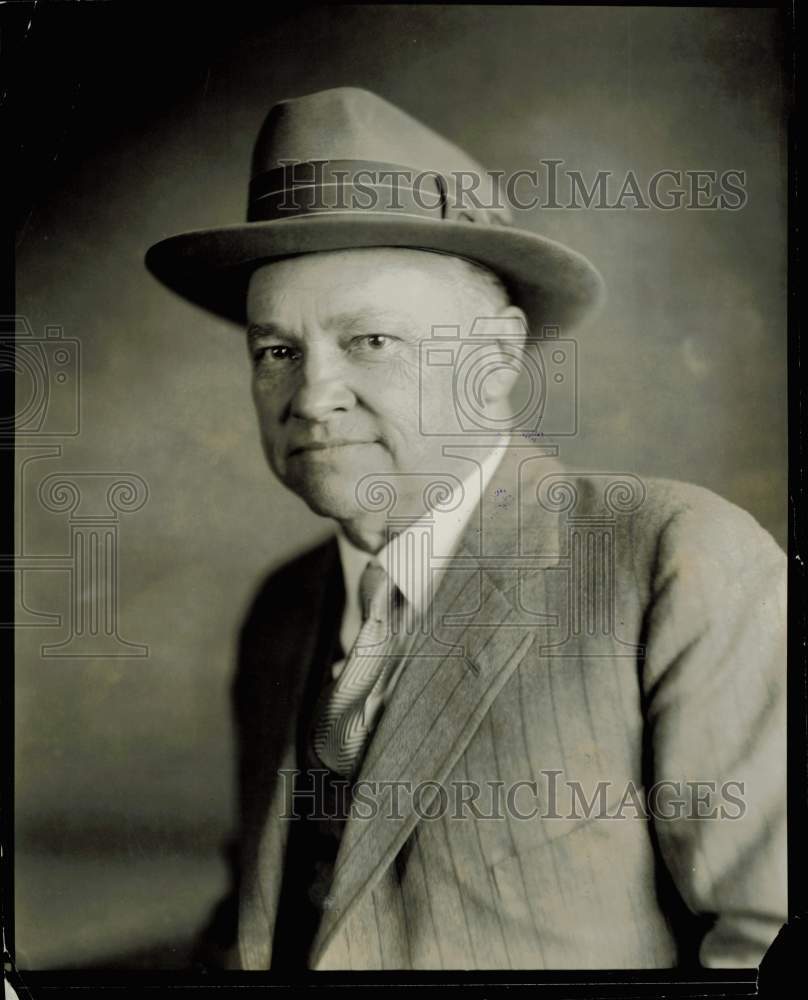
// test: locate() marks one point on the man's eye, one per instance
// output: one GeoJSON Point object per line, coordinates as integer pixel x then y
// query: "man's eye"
{"type": "Point", "coordinates": [275, 352]}
{"type": "Point", "coordinates": [376, 341]}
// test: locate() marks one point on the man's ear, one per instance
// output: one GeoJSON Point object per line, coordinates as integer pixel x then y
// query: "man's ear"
{"type": "Point", "coordinates": [507, 332]}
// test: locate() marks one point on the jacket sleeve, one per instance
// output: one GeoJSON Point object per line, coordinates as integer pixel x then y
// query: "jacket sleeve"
{"type": "Point", "coordinates": [714, 687]}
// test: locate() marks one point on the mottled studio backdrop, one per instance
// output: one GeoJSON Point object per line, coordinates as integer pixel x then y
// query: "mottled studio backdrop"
{"type": "Point", "coordinates": [141, 127]}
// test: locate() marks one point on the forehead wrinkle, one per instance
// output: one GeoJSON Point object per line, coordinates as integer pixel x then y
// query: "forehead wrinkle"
{"type": "Point", "coordinates": [373, 305]}
{"type": "Point", "coordinates": [368, 316]}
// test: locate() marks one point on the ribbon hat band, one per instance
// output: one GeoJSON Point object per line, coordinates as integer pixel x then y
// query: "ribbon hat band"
{"type": "Point", "coordinates": [351, 185]}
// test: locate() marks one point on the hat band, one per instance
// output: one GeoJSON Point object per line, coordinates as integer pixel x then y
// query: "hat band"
{"type": "Point", "coordinates": [328, 186]}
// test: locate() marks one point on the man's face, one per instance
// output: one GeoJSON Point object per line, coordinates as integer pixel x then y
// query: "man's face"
{"type": "Point", "coordinates": [335, 339]}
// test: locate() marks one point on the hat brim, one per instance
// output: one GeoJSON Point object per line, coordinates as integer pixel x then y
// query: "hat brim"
{"type": "Point", "coordinates": [211, 267]}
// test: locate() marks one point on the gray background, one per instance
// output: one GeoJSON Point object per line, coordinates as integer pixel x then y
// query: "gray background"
{"type": "Point", "coordinates": [124, 790]}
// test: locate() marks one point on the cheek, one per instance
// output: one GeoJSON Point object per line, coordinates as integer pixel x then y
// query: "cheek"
{"type": "Point", "coordinates": [270, 426]}
{"type": "Point", "coordinates": [266, 401]}
{"type": "Point", "coordinates": [437, 401]}
{"type": "Point", "coordinates": [392, 393]}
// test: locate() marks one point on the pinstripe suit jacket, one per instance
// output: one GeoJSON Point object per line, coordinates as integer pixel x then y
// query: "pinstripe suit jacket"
{"type": "Point", "coordinates": [617, 636]}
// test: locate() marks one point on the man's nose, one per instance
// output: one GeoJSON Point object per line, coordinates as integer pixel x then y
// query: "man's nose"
{"type": "Point", "coordinates": [322, 390]}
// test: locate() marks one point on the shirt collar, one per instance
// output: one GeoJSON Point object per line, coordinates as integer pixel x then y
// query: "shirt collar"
{"type": "Point", "coordinates": [446, 528]}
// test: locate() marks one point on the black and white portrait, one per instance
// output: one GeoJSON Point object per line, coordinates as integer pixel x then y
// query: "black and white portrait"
{"type": "Point", "coordinates": [400, 489]}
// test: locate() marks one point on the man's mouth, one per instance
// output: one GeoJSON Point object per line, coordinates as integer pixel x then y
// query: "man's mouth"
{"type": "Point", "coordinates": [313, 446]}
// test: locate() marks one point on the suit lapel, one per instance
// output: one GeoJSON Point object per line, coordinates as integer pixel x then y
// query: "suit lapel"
{"type": "Point", "coordinates": [449, 681]}
{"type": "Point", "coordinates": [275, 701]}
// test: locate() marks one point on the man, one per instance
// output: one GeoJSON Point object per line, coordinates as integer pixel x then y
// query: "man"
{"type": "Point", "coordinates": [512, 716]}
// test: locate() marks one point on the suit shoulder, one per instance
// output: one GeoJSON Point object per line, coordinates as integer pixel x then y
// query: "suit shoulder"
{"type": "Point", "coordinates": [285, 608]}
{"type": "Point", "coordinates": [700, 511]}
{"type": "Point", "coordinates": [653, 497]}
{"type": "Point", "coordinates": [301, 566]}
{"type": "Point", "coordinates": [293, 583]}
{"type": "Point", "coordinates": [699, 532]}
{"type": "Point", "coordinates": [655, 504]}
{"type": "Point", "coordinates": [665, 525]}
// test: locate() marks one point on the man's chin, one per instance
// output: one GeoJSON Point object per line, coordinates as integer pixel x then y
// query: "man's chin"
{"type": "Point", "coordinates": [331, 492]}
{"type": "Point", "coordinates": [336, 506]}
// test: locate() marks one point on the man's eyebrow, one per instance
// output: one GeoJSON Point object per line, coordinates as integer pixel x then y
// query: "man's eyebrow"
{"type": "Point", "coordinates": [372, 320]}
{"type": "Point", "coordinates": [257, 330]}
{"type": "Point", "coordinates": [369, 319]}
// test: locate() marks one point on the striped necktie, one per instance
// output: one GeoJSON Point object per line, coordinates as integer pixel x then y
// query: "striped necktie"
{"type": "Point", "coordinates": [346, 716]}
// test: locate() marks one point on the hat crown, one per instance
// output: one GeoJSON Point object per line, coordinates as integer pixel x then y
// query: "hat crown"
{"type": "Point", "coordinates": [353, 125]}
{"type": "Point", "coordinates": [344, 168]}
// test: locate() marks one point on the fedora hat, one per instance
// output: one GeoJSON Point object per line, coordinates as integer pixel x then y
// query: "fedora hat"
{"type": "Point", "coordinates": [343, 169]}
